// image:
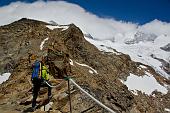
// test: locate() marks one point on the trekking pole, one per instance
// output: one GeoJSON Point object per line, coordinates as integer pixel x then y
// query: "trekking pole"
{"type": "Point", "coordinates": [69, 95]}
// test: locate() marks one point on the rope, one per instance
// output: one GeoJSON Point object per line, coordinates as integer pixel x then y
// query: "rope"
{"type": "Point", "coordinates": [54, 86]}
{"type": "Point", "coordinates": [98, 102]}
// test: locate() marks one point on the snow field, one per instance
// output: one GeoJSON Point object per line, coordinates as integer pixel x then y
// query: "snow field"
{"type": "Point", "coordinates": [146, 84]}
{"type": "Point", "coordinates": [4, 77]}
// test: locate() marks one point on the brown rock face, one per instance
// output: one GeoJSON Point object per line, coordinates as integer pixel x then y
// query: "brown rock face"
{"type": "Point", "coordinates": [59, 63]}
{"type": "Point", "coordinates": [97, 72]}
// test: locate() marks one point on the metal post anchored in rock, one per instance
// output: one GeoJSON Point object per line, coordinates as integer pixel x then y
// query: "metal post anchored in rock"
{"type": "Point", "coordinates": [67, 78]}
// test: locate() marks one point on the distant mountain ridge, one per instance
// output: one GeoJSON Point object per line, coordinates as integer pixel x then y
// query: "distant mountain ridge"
{"type": "Point", "coordinates": [141, 37]}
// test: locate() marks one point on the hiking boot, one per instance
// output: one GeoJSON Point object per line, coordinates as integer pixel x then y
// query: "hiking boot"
{"type": "Point", "coordinates": [33, 108]}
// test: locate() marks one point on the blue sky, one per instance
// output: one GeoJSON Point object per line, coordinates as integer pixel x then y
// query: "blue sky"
{"type": "Point", "coordinates": [137, 11]}
{"type": "Point", "coordinates": [140, 11]}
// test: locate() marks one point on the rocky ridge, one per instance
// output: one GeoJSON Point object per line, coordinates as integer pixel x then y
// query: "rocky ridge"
{"type": "Point", "coordinates": [24, 37]}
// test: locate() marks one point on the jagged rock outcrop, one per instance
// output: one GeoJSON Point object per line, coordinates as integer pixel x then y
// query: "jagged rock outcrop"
{"type": "Point", "coordinates": [165, 64]}
{"type": "Point", "coordinates": [166, 47]}
{"type": "Point", "coordinates": [24, 37]}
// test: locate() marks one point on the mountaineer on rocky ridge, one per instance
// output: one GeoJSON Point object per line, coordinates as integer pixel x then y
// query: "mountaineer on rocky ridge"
{"type": "Point", "coordinates": [40, 74]}
{"type": "Point", "coordinates": [99, 73]}
{"type": "Point", "coordinates": [39, 78]}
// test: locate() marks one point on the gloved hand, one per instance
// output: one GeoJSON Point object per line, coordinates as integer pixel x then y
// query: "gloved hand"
{"type": "Point", "coordinates": [66, 78]}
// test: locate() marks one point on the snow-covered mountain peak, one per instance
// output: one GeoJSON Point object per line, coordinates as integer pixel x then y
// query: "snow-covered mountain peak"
{"type": "Point", "coordinates": [146, 48]}
{"type": "Point", "coordinates": [89, 36]}
{"type": "Point", "coordinates": [53, 22]}
{"type": "Point", "coordinates": [141, 37]}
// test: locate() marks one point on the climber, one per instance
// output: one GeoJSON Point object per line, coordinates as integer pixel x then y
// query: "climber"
{"type": "Point", "coordinates": [39, 79]}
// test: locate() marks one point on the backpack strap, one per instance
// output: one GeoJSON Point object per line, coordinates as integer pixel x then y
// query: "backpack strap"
{"type": "Point", "coordinates": [40, 70]}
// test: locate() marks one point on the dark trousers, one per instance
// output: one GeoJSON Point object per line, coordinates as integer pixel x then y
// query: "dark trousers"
{"type": "Point", "coordinates": [37, 83]}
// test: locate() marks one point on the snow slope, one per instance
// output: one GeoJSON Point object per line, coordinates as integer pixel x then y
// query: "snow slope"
{"type": "Point", "coordinates": [139, 51]}
{"type": "Point", "coordinates": [145, 50]}
{"type": "Point", "coordinates": [146, 84]}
